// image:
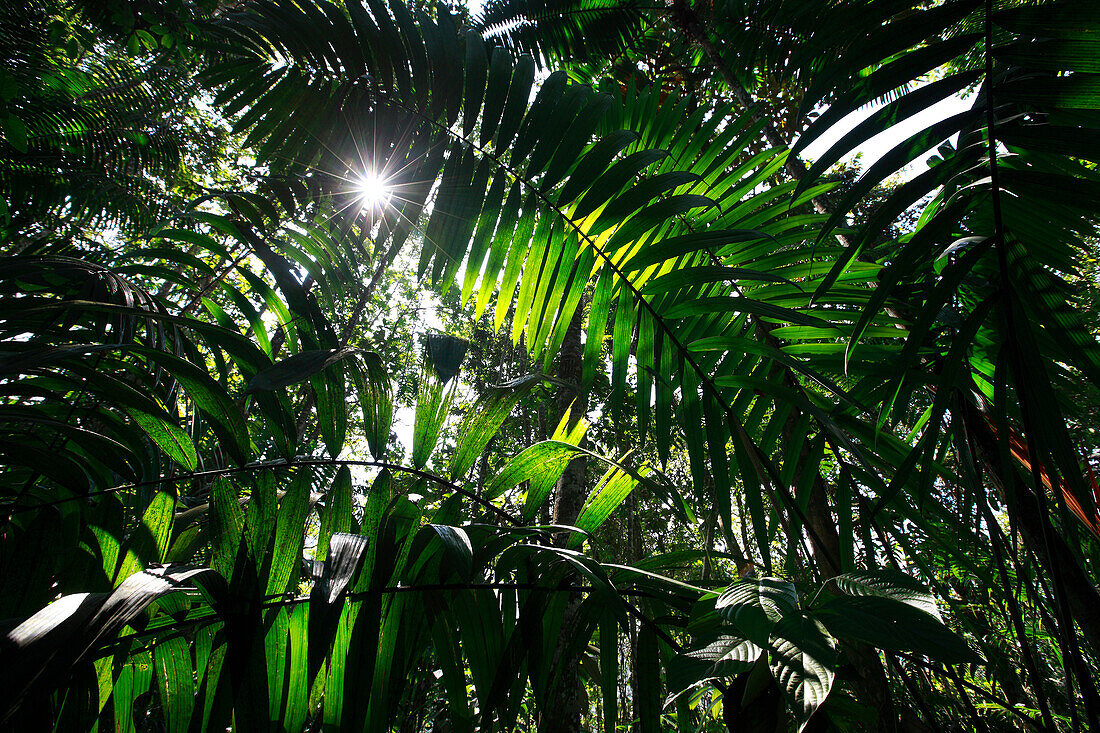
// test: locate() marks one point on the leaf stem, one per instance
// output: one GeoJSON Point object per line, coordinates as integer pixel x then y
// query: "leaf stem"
{"type": "Point", "coordinates": [298, 463]}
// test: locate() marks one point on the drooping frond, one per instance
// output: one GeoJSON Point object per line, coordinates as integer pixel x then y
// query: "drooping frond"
{"type": "Point", "coordinates": [840, 399]}
{"type": "Point", "coordinates": [581, 30]}
{"type": "Point", "coordinates": [94, 143]}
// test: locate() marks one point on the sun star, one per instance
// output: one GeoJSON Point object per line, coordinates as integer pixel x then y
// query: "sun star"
{"type": "Point", "coordinates": [373, 190]}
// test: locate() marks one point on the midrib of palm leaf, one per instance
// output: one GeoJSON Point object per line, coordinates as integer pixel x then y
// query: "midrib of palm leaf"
{"type": "Point", "coordinates": [666, 329]}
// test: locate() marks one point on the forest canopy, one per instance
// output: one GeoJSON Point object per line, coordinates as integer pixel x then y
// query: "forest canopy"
{"type": "Point", "coordinates": [386, 365]}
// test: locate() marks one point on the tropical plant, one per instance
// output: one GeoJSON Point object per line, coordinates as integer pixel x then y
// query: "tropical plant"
{"type": "Point", "coordinates": [209, 522]}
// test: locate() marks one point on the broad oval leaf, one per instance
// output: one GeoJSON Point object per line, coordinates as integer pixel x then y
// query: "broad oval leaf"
{"type": "Point", "coordinates": [754, 607]}
{"type": "Point", "coordinates": [888, 583]}
{"type": "Point", "coordinates": [802, 657]}
{"type": "Point", "coordinates": [893, 625]}
{"type": "Point", "coordinates": [723, 655]}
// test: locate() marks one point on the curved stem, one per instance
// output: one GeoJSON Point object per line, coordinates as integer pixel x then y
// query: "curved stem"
{"type": "Point", "coordinates": [299, 463]}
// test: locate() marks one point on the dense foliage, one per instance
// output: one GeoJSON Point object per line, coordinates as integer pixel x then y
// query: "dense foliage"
{"type": "Point", "coordinates": [373, 365]}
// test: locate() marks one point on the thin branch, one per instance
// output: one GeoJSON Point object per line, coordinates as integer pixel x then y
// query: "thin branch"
{"type": "Point", "coordinates": [298, 463]}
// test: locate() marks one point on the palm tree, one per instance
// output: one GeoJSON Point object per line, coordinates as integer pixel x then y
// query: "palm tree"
{"type": "Point", "coordinates": [873, 415]}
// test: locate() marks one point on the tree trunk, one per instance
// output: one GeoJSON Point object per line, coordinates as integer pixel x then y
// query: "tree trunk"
{"type": "Point", "coordinates": [567, 698]}
{"type": "Point", "coordinates": [864, 668]}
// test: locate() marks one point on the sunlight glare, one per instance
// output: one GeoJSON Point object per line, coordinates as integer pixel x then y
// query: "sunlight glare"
{"type": "Point", "coordinates": [374, 192]}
